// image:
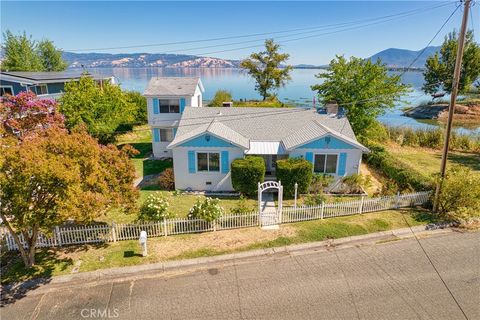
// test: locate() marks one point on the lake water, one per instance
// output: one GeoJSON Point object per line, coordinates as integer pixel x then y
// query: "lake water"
{"type": "Point", "coordinates": [297, 91]}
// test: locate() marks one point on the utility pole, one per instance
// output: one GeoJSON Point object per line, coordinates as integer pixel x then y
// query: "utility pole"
{"type": "Point", "coordinates": [453, 99]}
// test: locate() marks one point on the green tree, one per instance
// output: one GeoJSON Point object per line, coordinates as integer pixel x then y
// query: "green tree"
{"type": "Point", "coordinates": [20, 53]}
{"type": "Point", "coordinates": [103, 109]}
{"type": "Point", "coordinates": [220, 97]}
{"type": "Point", "coordinates": [24, 54]}
{"type": "Point", "coordinates": [140, 102]}
{"type": "Point", "coordinates": [440, 66]}
{"type": "Point", "coordinates": [50, 56]}
{"type": "Point", "coordinates": [362, 88]}
{"type": "Point", "coordinates": [49, 178]}
{"type": "Point", "coordinates": [266, 68]}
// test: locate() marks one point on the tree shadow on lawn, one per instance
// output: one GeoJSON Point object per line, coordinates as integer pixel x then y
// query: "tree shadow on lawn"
{"type": "Point", "coordinates": [17, 281]}
{"type": "Point", "coordinates": [470, 160]}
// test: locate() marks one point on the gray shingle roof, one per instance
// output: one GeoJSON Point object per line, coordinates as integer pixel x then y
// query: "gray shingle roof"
{"type": "Point", "coordinates": [172, 86]}
{"type": "Point", "coordinates": [293, 127]}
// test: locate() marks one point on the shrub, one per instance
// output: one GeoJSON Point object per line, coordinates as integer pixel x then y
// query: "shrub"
{"type": "Point", "coordinates": [167, 179]}
{"type": "Point", "coordinates": [460, 194]}
{"type": "Point", "coordinates": [355, 183]}
{"type": "Point", "coordinates": [140, 103]}
{"type": "Point", "coordinates": [220, 97]}
{"type": "Point", "coordinates": [155, 208]}
{"type": "Point", "coordinates": [209, 209]}
{"type": "Point", "coordinates": [320, 182]}
{"type": "Point", "coordinates": [405, 177]}
{"type": "Point", "coordinates": [294, 170]}
{"type": "Point", "coordinates": [242, 206]}
{"type": "Point", "coordinates": [314, 199]}
{"type": "Point", "coordinates": [247, 173]}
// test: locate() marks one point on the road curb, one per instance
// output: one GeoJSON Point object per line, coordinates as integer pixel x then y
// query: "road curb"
{"type": "Point", "coordinates": [155, 269]}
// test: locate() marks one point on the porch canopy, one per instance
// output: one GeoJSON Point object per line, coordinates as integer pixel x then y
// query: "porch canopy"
{"type": "Point", "coordinates": [266, 147]}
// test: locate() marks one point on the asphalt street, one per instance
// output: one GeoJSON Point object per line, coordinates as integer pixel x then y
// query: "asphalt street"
{"type": "Point", "coordinates": [389, 280]}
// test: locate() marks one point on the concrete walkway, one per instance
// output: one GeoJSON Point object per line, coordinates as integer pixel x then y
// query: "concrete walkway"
{"type": "Point", "coordinates": [269, 216]}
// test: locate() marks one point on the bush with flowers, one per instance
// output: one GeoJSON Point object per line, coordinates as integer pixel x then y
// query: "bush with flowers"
{"type": "Point", "coordinates": [155, 208]}
{"type": "Point", "coordinates": [209, 209]}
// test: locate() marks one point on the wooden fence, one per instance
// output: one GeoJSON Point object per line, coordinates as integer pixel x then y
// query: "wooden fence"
{"type": "Point", "coordinates": [98, 233]}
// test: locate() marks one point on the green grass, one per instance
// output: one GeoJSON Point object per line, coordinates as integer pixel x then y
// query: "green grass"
{"type": "Point", "coordinates": [58, 261]}
{"type": "Point", "coordinates": [427, 161]}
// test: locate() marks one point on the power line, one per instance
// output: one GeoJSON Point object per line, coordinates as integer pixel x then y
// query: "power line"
{"type": "Point", "coordinates": [434, 268]}
{"type": "Point", "coordinates": [316, 28]}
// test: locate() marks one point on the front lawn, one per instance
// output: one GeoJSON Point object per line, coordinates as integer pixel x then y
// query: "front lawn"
{"type": "Point", "coordinates": [58, 261]}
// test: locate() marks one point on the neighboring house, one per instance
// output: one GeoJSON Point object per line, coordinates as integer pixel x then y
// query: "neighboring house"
{"type": "Point", "coordinates": [167, 99]}
{"type": "Point", "coordinates": [43, 84]}
{"type": "Point", "coordinates": [204, 141]}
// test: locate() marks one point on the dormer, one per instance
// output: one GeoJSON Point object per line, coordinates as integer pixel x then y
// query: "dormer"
{"type": "Point", "coordinates": [167, 97]}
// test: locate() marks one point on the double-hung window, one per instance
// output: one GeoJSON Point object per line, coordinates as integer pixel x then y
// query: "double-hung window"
{"type": "Point", "coordinates": [169, 105]}
{"type": "Point", "coordinates": [4, 90]}
{"type": "Point", "coordinates": [208, 161]}
{"type": "Point", "coordinates": [166, 135]}
{"type": "Point", "coordinates": [325, 163]}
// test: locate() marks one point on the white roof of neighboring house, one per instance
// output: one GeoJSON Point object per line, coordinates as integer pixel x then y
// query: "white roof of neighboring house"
{"type": "Point", "coordinates": [173, 86]}
{"type": "Point", "coordinates": [263, 128]}
{"type": "Point", "coordinates": [32, 77]}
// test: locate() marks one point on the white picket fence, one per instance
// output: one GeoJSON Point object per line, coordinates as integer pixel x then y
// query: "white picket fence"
{"type": "Point", "coordinates": [99, 233]}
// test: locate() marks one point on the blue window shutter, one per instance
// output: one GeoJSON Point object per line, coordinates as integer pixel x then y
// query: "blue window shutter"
{"type": "Point", "coordinates": [174, 132]}
{"type": "Point", "coordinates": [191, 161]}
{"type": "Point", "coordinates": [156, 134]}
{"type": "Point", "coordinates": [342, 163]}
{"type": "Point", "coordinates": [182, 104]}
{"type": "Point", "coordinates": [225, 162]}
{"type": "Point", "coordinates": [309, 156]}
{"type": "Point", "coordinates": [156, 108]}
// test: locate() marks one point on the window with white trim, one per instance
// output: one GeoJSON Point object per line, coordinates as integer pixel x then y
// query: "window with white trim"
{"type": "Point", "coordinates": [325, 163]}
{"type": "Point", "coordinates": [169, 105]}
{"type": "Point", "coordinates": [6, 90]}
{"type": "Point", "coordinates": [39, 89]}
{"type": "Point", "coordinates": [166, 135]}
{"type": "Point", "coordinates": [208, 161]}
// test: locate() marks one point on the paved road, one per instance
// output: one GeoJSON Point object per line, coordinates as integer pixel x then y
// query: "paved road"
{"type": "Point", "coordinates": [391, 280]}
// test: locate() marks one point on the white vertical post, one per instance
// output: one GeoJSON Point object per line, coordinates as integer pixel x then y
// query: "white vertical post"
{"type": "Point", "coordinates": [280, 201]}
{"type": "Point", "coordinates": [397, 200]}
{"type": "Point", "coordinates": [58, 236]}
{"type": "Point", "coordinates": [114, 232]}
{"type": "Point", "coordinates": [296, 191]}
{"type": "Point", "coordinates": [321, 209]}
{"type": "Point", "coordinates": [361, 205]}
{"type": "Point", "coordinates": [165, 232]}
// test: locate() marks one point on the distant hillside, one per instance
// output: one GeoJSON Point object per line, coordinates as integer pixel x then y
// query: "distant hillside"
{"type": "Point", "coordinates": [101, 60]}
{"type": "Point", "coordinates": [401, 58]}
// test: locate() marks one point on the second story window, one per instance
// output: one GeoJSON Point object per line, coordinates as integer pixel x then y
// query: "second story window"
{"type": "Point", "coordinates": [169, 105]}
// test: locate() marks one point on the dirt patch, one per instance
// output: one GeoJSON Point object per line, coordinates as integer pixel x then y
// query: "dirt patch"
{"type": "Point", "coordinates": [375, 179]}
{"type": "Point", "coordinates": [173, 246]}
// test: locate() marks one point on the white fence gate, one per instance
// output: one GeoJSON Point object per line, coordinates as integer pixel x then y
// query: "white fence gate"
{"type": "Point", "coordinates": [95, 233]}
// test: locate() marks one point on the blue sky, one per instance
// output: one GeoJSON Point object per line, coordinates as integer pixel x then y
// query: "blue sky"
{"type": "Point", "coordinates": [80, 25]}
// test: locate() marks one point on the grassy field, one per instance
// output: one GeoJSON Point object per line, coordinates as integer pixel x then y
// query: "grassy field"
{"type": "Point", "coordinates": [60, 261]}
{"type": "Point", "coordinates": [427, 161]}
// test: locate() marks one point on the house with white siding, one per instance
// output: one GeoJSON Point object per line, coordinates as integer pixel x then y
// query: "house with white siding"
{"type": "Point", "coordinates": [205, 140]}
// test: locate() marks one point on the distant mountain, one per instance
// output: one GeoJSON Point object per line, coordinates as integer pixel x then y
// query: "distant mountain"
{"type": "Point", "coordinates": [401, 58]}
{"type": "Point", "coordinates": [102, 60]}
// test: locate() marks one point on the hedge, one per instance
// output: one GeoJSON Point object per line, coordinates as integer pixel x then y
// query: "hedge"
{"type": "Point", "coordinates": [404, 176]}
{"type": "Point", "coordinates": [247, 173]}
{"type": "Point", "coordinates": [294, 170]}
